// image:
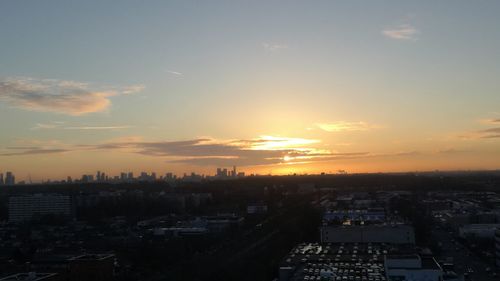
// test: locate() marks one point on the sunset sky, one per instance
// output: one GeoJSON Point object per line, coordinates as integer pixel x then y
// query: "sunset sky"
{"type": "Point", "coordinates": [269, 86]}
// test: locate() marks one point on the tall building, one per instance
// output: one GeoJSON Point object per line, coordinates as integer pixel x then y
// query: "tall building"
{"type": "Point", "coordinates": [28, 207]}
{"type": "Point", "coordinates": [1, 178]}
{"type": "Point", "coordinates": [10, 179]}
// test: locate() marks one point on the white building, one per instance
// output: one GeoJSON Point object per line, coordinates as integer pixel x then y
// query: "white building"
{"type": "Point", "coordinates": [27, 207]}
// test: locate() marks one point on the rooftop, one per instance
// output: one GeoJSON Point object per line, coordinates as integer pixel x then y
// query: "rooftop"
{"type": "Point", "coordinates": [29, 276]}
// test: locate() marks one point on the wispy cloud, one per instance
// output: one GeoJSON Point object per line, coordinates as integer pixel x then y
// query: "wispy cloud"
{"type": "Point", "coordinates": [491, 133]}
{"type": "Point", "coordinates": [33, 151]}
{"type": "Point", "coordinates": [341, 126]}
{"type": "Point", "coordinates": [401, 32]}
{"type": "Point", "coordinates": [274, 47]}
{"type": "Point", "coordinates": [175, 73]}
{"type": "Point", "coordinates": [59, 96]}
{"type": "Point", "coordinates": [267, 150]}
{"type": "Point", "coordinates": [96, 128]}
{"type": "Point", "coordinates": [490, 121]}
{"type": "Point", "coordinates": [63, 126]}
{"type": "Point", "coordinates": [264, 150]}
{"type": "Point", "coordinates": [134, 89]}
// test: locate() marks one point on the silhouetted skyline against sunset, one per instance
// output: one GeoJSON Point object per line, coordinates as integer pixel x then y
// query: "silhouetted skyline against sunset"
{"type": "Point", "coordinates": [271, 87]}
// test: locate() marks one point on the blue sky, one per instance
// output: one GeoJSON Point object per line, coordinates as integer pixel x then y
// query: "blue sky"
{"type": "Point", "coordinates": [414, 78]}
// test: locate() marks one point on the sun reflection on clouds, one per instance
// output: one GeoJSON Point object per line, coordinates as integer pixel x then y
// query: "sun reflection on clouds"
{"type": "Point", "coordinates": [281, 143]}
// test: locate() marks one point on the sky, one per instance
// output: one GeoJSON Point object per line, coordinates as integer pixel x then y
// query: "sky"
{"type": "Point", "coordinates": [275, 87]}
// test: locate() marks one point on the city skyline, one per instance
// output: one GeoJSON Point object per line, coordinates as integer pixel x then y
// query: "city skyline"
{"type": "Point", "coordinates": [270, 88]}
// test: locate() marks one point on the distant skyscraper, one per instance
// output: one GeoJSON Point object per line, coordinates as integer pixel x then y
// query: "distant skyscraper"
{"type": "Point", "coordinates": [130, 175]}
{"type": "Point", "coordinates": [1, 179]}
{"type": "Point", "coordinates": [10, 179]}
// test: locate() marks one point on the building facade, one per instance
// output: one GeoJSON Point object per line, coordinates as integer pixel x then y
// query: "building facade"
{"type": "Point", "coordinates": [28, 207]}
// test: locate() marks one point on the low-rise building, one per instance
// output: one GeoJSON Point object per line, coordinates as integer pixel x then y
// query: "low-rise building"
{"type": "Point", "coordinates": [28, 207]}
{"type": "Point", "coordinates": [478, 231]}
{"type": "Point", "coordinates": [374, 233]}
{"type": "Point", "coordinates": [412, 267]}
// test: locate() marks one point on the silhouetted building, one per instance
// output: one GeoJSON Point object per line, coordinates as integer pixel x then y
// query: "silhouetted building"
{"type": "Point", "coordinates": [10, 179]}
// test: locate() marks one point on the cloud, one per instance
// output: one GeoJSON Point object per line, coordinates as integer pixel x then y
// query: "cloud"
{"type": "Point", "coordinates": [450, 151]}
{"type": "Point", "coordinates": [61, 126]}
{"type": "Point", "coordinates": [342, 126]}
{"type": "Point", "coordinates": [96, 128]}
{"type": "Point", "coordinates": [20, 151]}
{"type": "Point", "coordinates": [134, 89]}
{"type": "Point", "coordinates": [401, 32]}
{"type": "Point", "coordinates": [491, 133]}
{"type": "Point", "coordinates": [175, 73]}
{"type": "Point", "coordinates": [274, 47]}
{"type": "Point", "coordinates": [265, 150]}
{"type": "Point", "coordinates": [58, 96]}
{"type": "Point", "coordinates": [490, 121]}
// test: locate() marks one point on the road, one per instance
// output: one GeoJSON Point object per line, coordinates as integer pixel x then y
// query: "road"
{"type": "Point", "coordinates": [465, 261]}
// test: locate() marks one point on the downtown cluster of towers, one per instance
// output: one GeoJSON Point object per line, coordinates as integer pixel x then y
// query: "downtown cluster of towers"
{"type": "Point", "coordinates": [123, 177]}
{"type": "Point", "coordinates": [225, 173]}
{"type": "Point", "coordinates": [222, 173]}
